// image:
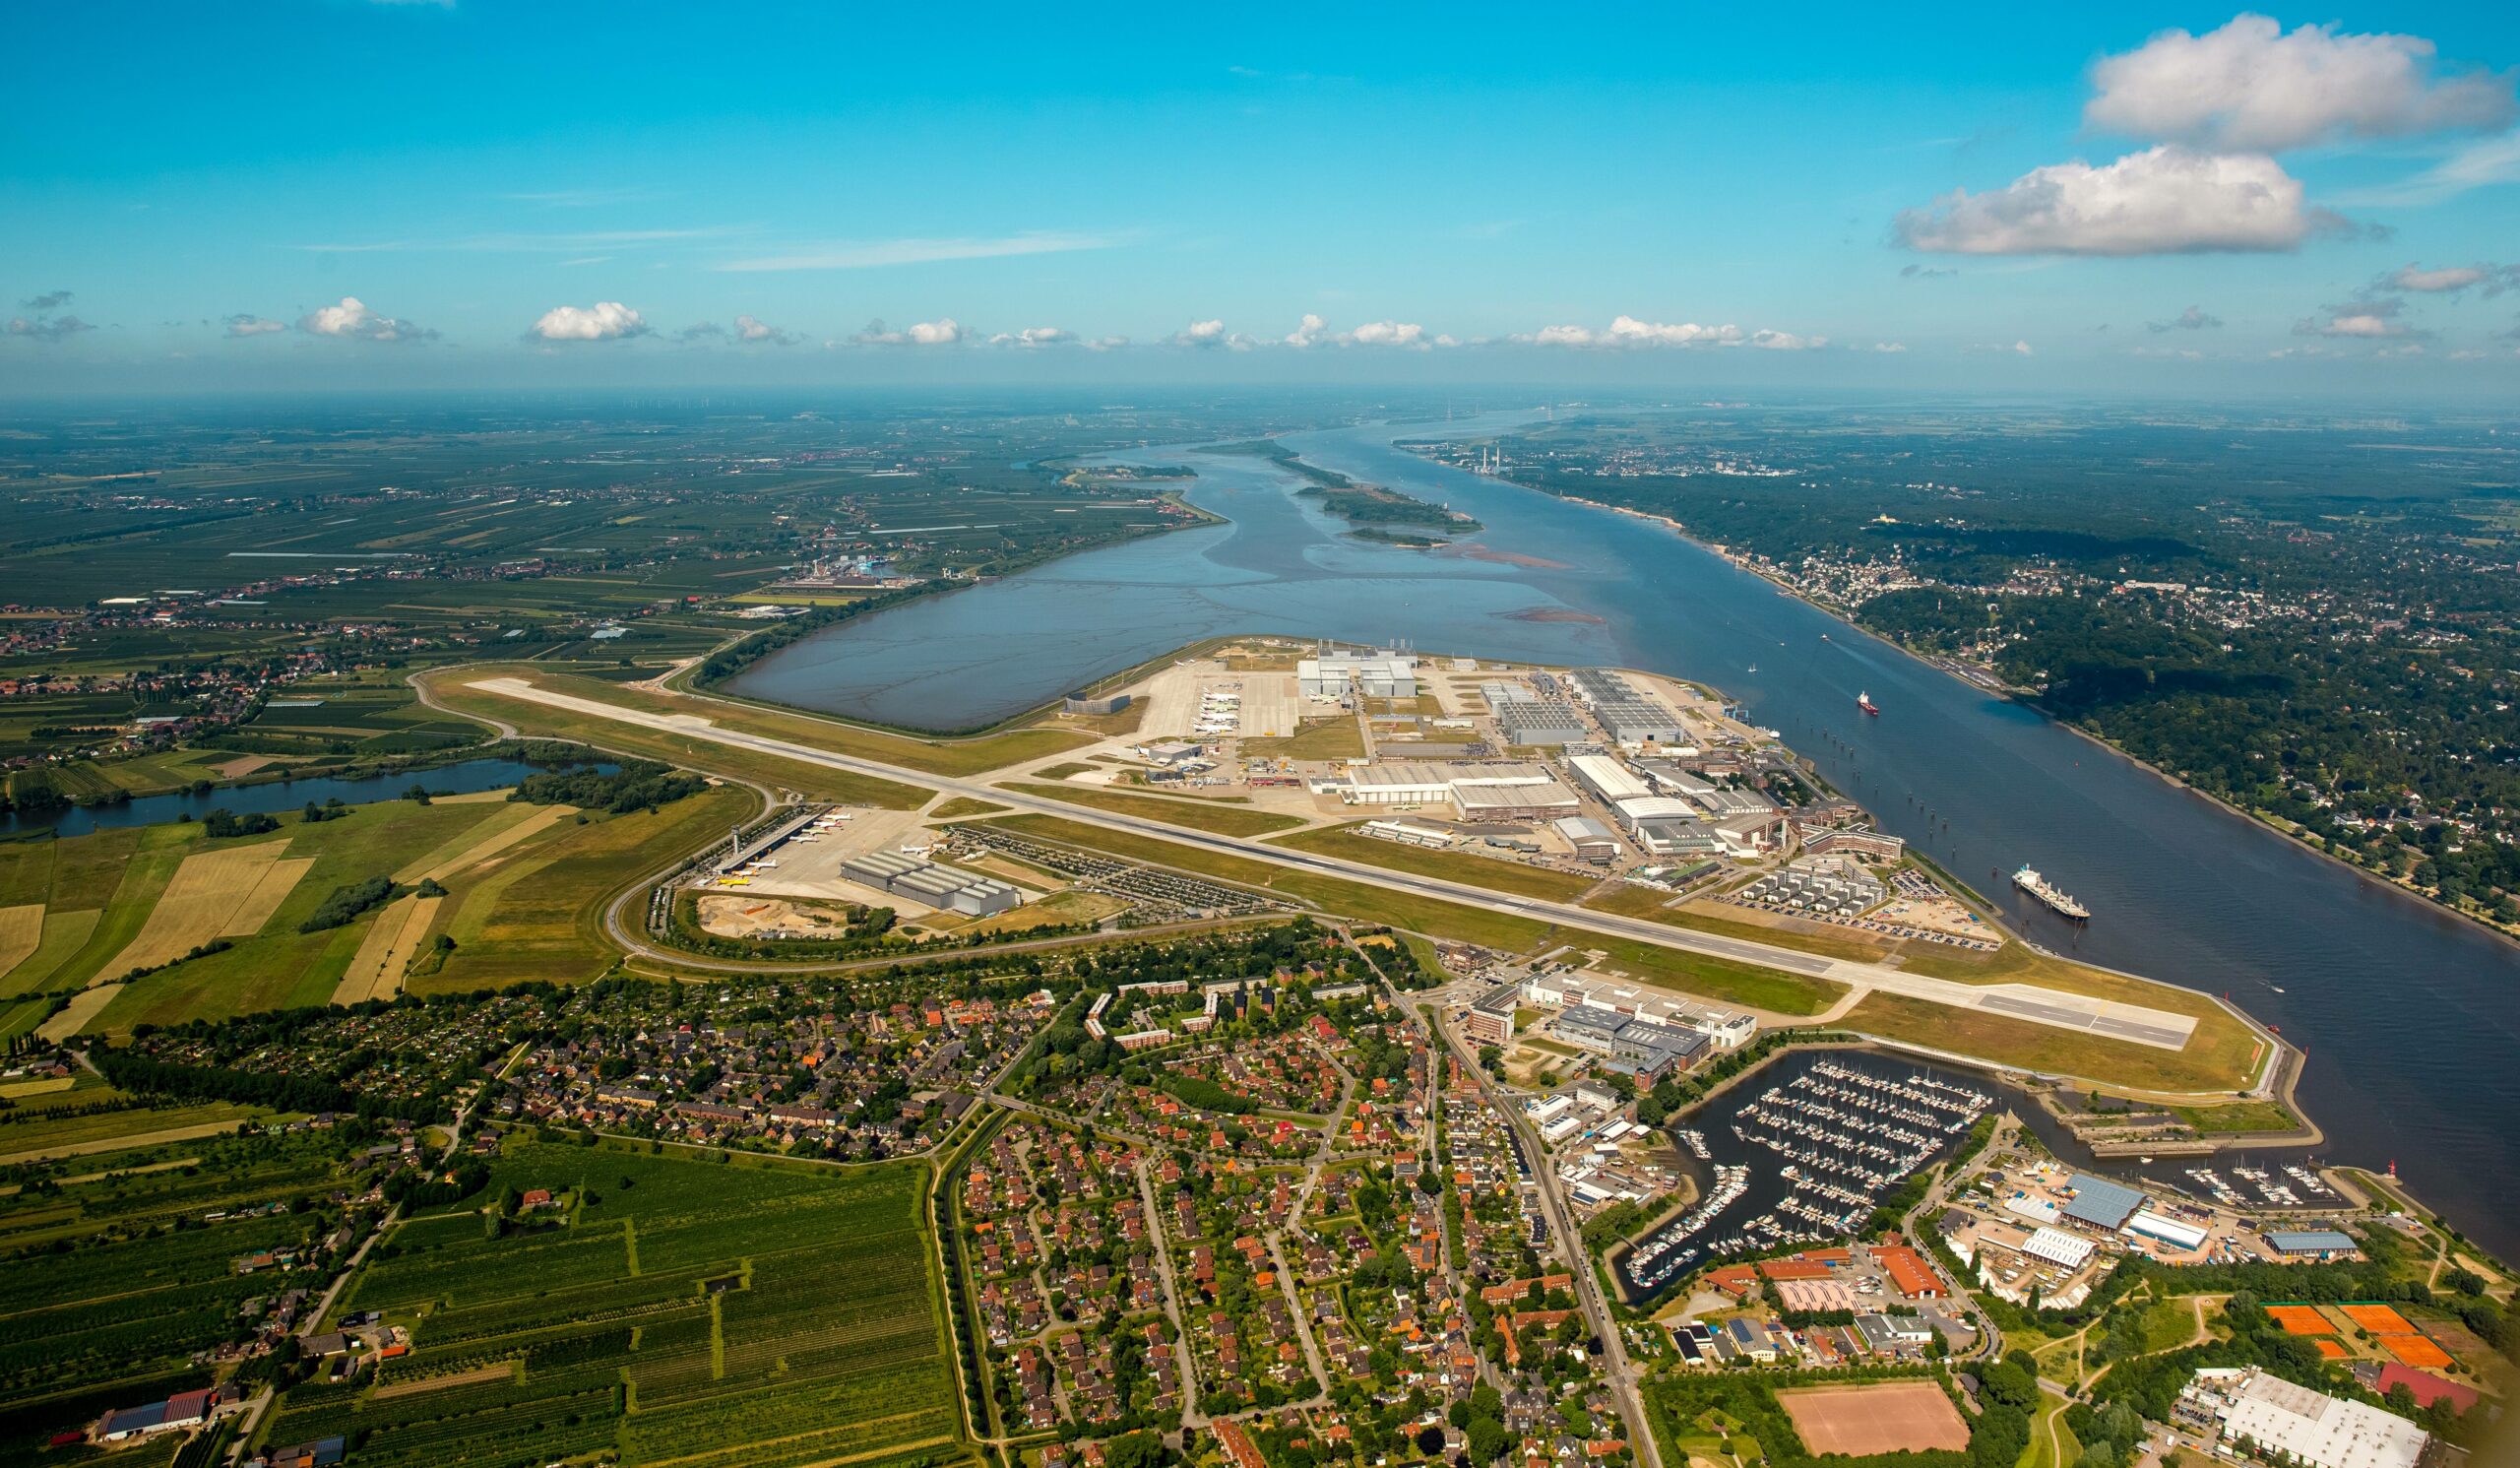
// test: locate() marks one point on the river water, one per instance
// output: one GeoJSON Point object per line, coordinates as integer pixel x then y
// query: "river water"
{"type": "Point", "coordinates": [465, 777]}
{"type": "Point", "coordinates": [2411, 1018]}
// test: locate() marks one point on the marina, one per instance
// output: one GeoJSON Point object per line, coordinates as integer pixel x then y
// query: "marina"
{"type": "Point", "coordinates": [1811, 1155]}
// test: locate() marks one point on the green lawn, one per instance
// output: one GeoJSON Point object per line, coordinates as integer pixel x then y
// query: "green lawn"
{"type": "Point", "coordinates": [1224, 821]}
{"type": "Point", "coordinates": [1448, 865]}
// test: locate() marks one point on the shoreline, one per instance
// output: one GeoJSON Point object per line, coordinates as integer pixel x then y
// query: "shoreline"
{"type": "Point", "coordinates": [1996, 685]}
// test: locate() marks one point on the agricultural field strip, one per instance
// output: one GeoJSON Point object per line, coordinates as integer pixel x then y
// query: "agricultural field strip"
{"type": "Point", "coordinates": [196, 905]}
{"type": "Point", "coordinates": [86, 1006]}
{"type": "Point", "coordinates": [265, 900]}
{"type": "Point", "coordinates": [2112, 1019]}
{"type": "Point", "coordinates": [21, 934]}
{"type": "Point", "coordinates": [375, 972]}
{"type": "Point", "coordinates": [438, 866]}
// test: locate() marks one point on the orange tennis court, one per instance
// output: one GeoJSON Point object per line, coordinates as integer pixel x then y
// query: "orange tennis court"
{"type": "Point", "coordinates": [2415, 1350]}
{"type": "Point", "coordinates": [2301, 1320]}
{"type": "Point", "coordinates": [2379, 1319]}
{"type": "Point", "coordinates": [2330, 1350]}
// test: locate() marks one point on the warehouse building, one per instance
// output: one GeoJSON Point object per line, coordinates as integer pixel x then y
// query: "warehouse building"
{"type": "Point", "coordinates": [1592, 841]}
{"type": "Point", "coordinates": [1719, 803]}
{"type": "Point", "coordinates": [1499, 693]}
{"type": "Point", "coordinates": [2312, 1244]}
{"type": "Point", "coordinates": [2164, 1229]}
{"type": "Point", "coordinates": [2102, 1204]}
{"type": "Point", "coordinates": [1542, 721]}
{"type": "Point", "coordinates": [1382, 674]}
{"type": "Point", "coordinates": [1545, 801]}
{"type": "Point", "coordinates": [1086, 703]}
{"type": "Point", "coordinates": [940, 887]}
{"type": "Point", "coordinates": [2267, 1417]}
{"type": "Point", "coordinates": [1675, 836]}
{"type": "Point", "coordinates": [1398, 785]}
{"type": "Point", "coordinates": [1606, 780]}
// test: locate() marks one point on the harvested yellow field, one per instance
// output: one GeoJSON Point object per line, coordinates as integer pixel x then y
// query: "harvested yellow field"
{"type": "Point", "coordinates": [198, 902]}
{"type": "Point", "coordinates": [44, 1087]}
{"type": "Point", "coordinates": [376, 971]}
{"type": "Point", "coordinates": [473, 797]}
{"type": "Point", "coordinates": [543, 818]}
{"type": "Point", "coordinates": [84, 1007]}
{"type": "Point", "coordinates": [21, 930]}
{"type": "Point", "coordinates": [266, 898]}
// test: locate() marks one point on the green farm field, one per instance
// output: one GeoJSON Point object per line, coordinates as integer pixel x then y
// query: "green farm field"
{"type": "Point", "coordinates": [116, 1279]}
{"type": "Point", "coordinates": [672, 1310]}
{"type": "Point", "coordinates": [530, 909]}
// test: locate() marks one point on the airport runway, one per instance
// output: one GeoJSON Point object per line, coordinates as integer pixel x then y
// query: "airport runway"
{"type": "Point", "coordinates": [2135, 1024]}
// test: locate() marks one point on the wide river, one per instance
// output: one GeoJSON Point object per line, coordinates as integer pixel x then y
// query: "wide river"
{"type": "Point", "coordinates": [2411, 1018]}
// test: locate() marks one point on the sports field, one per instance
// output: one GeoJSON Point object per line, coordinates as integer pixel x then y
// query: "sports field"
{"type": "Point", "coordinates": [2416, 1350]}
{"type": "Point", "coordinates": [669, 1310]}
{"type": "Point", "coordinates": [2301, 1320]}
{"type": "Point", "coordinates": [1879, 1418]}
{"type": "Point", "coordinates": [2379, 1319]}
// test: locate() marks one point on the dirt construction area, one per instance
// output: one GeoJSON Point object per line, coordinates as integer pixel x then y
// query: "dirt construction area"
{"type": "Point", "coordinates": [1881, 1418]}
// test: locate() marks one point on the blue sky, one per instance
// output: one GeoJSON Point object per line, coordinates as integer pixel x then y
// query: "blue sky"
{"type": "Point", "coordinates": [326, 193]}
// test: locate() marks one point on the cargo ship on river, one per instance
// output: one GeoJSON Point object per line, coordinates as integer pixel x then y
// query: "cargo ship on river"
{"type": "Point", "coordinates": [2048, 892]}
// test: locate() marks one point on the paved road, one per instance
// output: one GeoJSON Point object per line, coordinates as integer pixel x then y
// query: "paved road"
{"type": "Point", "coordinates": [2158, 1028]}
{"type": "Point", "coordinates": [1566, 1245]}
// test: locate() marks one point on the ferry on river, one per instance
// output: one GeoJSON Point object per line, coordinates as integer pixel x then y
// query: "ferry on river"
{"type": "Point", "coordinates": [2045, 891]}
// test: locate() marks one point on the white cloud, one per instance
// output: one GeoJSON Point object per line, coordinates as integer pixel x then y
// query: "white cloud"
{"type": "Point", "coordinates": [2162, 201]}
{"type": "Point", "coordinates": [2449, 278]}
{"type": "Point", "coordinates": [1107, 343]}
{"type": "Point", "coordinates": [1786, 341]}
{"type": "Point", "coordinates": [1313, 331]}
{"type": "Point", "coordinates": [1628, 331]}
{"type": "Point", "coordinates": [944, 331]}
{"type": "Point", "coordinates": [2368, 320]}
{"type": "Point", "coordinates": [247, 324]}
{"type": "Point", "coordinates": [2486, 278]}
{"type": "Point", "coordinates": [752, 329]}
{"type": "Point", "coordinates": [1407, 334]}
{"type": "Point", "coordinates": [2250, 87]}
{"type": "Point", "coordinates": [352, 320]}
{"type": "Point", "coordinates": [876, 254]}
{"type": "Point", "coordinates": [1034, 336]}
{"type": "Point", "coordinates": [2017, 349]}
{"type": "Point", "coordinates": [2357, 324]}
{"type": "Point", "coordinates": [1211, 332]}
{"type": "Point", "coordinates": [1889, 345]}
{"type": "Point", "coordinates": [48, 328]}
{"type": "Point", "coordinates": [605, 321]}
